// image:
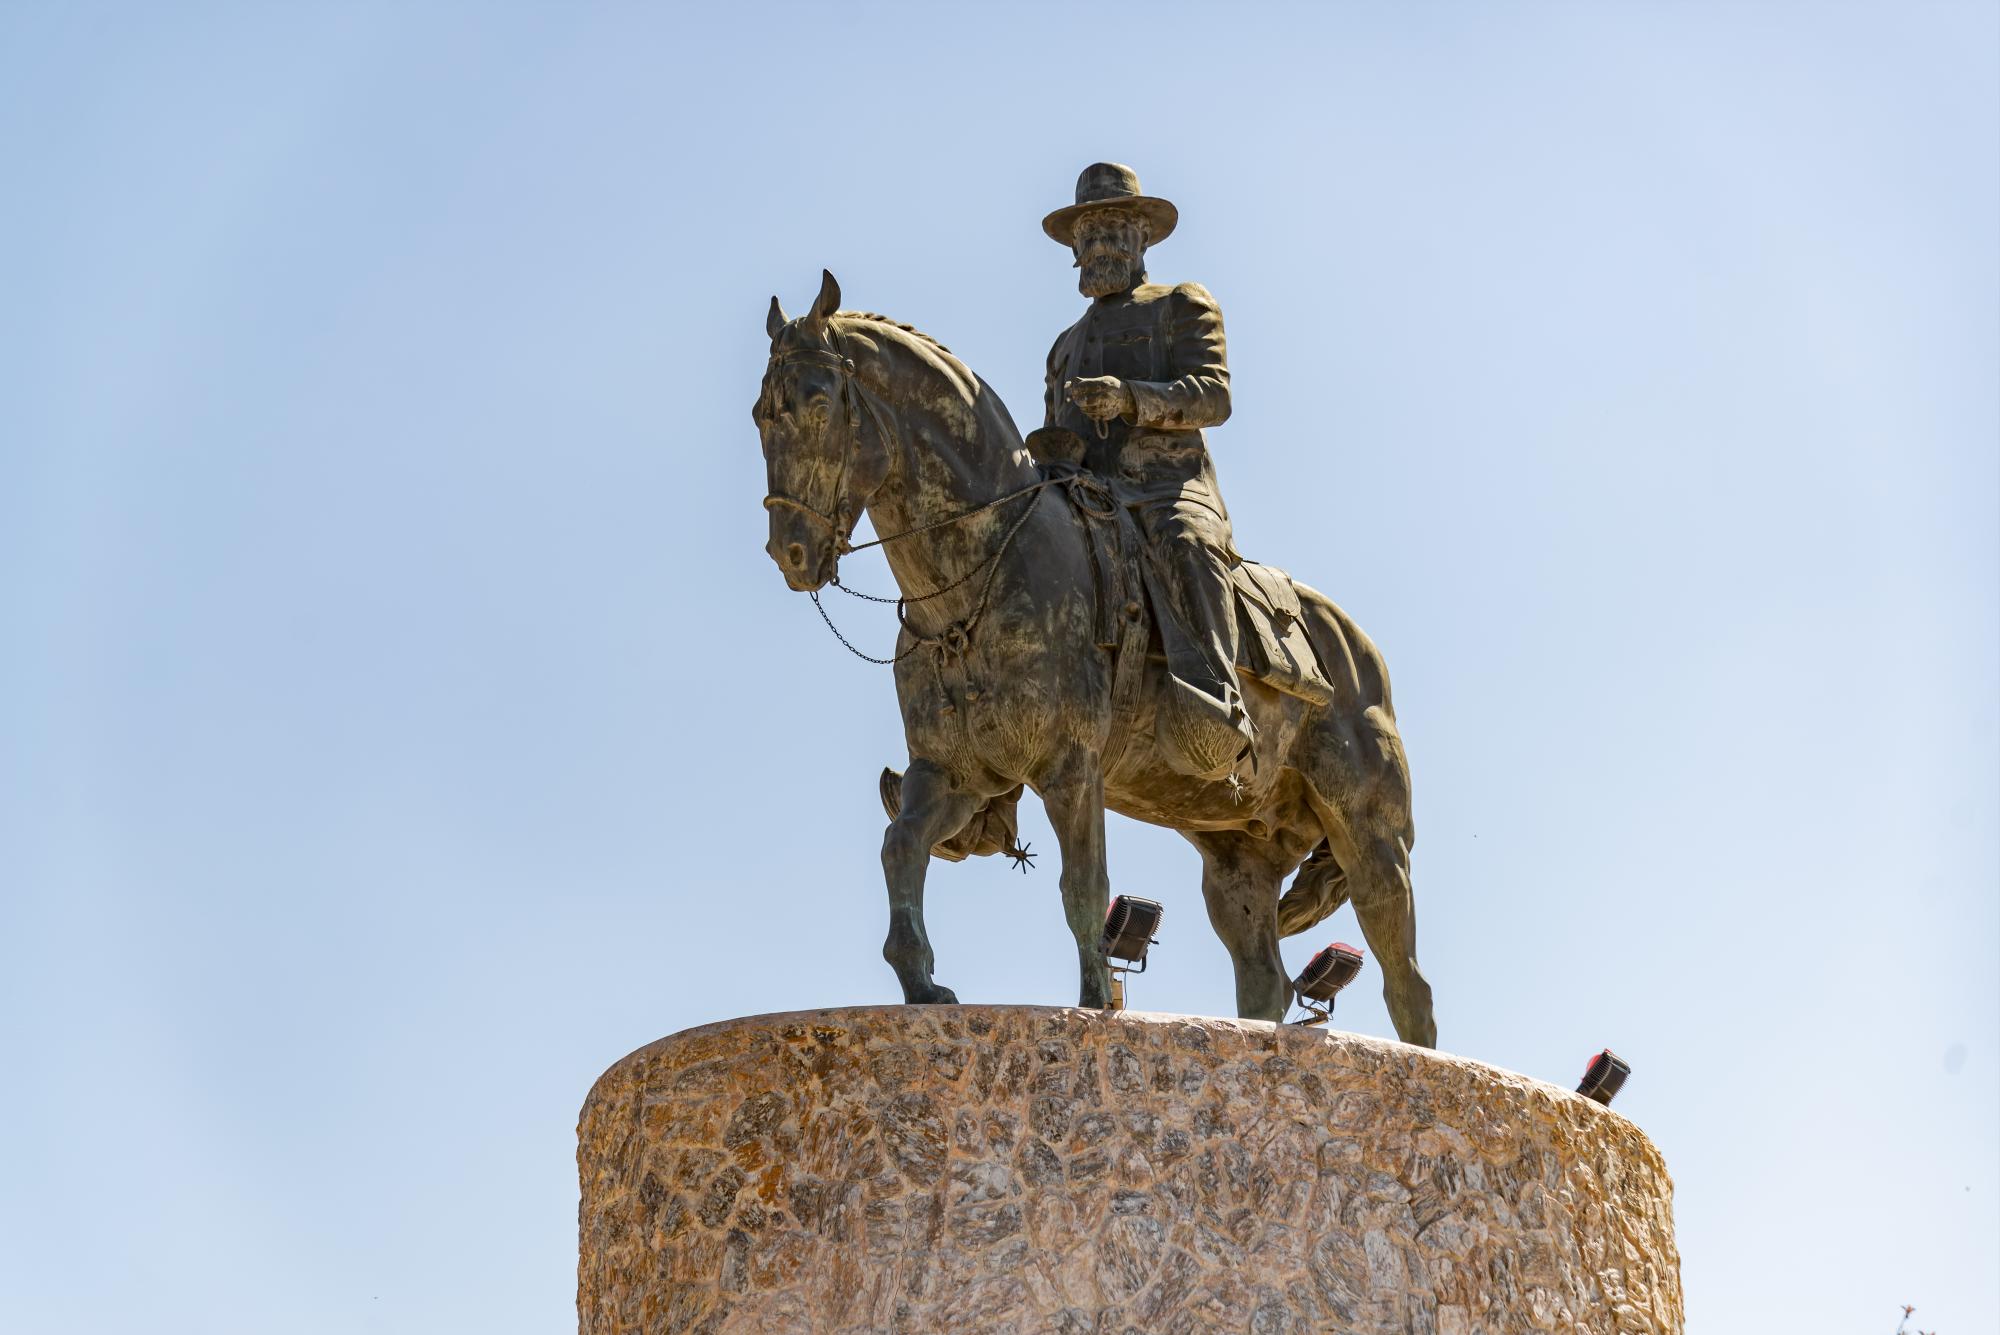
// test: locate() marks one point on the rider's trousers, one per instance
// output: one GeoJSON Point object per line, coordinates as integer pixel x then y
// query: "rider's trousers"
{"type": "Point", "coordinates": [1197, 572]}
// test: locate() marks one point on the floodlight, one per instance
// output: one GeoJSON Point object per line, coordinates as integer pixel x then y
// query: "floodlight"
{"type": "Point", "coordinates": [1329, 971]}
{"type": "Point", "coordinates": [1323, 977]}
{"type": "Point", "coordinates": [1129, 928]}
{"type": "Point", "coordinates": [1604, 1077]}
{"type": "Point", "coordinates": [1128, 932]}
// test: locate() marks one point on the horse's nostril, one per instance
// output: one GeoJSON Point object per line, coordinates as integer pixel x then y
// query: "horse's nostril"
{"type": "Point", "coordinates": [795, 556]}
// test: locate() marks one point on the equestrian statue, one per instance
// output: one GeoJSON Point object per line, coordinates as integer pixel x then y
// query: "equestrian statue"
{"type": "Point", "coordinates": [1105, 645]}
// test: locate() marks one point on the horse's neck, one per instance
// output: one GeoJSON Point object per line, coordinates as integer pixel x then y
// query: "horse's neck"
{"type": "Point", "coordinates": [940, 472]}
{"type": "Point", "coordinates": [943, 468]}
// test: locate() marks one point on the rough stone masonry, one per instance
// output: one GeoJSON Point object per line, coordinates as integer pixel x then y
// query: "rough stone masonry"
{"type": "Point", "coordinates": [1019, 1168]}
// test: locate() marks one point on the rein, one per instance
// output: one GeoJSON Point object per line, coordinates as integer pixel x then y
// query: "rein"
{"type": "Point", "coordinates": [956, 638]}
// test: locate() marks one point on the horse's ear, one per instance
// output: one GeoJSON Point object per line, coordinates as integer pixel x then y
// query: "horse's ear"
{"type": "Point", "coordinates": [775, 320]}
{"type": "Point", "coordinates": [828, 300]}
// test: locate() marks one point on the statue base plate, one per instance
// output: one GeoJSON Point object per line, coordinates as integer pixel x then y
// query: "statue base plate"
{"type": "Point", "coordinates": [1028, 1168]}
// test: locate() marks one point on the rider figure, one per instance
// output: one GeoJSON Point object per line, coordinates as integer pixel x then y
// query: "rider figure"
{"type": "Point", "coordinates": [1137, 378]}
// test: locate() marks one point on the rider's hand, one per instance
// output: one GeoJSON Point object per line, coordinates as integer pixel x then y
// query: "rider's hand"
{"type": "Point", "coordinates": [1102, 397]}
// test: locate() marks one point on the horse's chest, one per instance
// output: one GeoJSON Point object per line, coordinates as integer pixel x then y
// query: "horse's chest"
{"type": "Point", "coordinates": [991, 719]}
{"type": "Point", "coordinates": [982, 718]}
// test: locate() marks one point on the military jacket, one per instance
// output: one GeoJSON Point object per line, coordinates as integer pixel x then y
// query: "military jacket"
{"type": "Point", "coordinates": [1166, 343]}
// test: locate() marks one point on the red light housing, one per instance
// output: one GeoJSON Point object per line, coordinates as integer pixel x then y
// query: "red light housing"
{"type": "Point", "coordinates": [1604, 1077]}
{"type": "Point", "coordinates": [1327, 972]}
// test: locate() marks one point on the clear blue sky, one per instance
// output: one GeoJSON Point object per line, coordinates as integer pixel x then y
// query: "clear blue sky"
{"type": "Point", "coordinates": [382, 594]}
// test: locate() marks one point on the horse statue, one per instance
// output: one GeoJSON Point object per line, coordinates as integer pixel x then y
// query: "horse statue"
{"type": "Point", "coordinates": [1004, 677]}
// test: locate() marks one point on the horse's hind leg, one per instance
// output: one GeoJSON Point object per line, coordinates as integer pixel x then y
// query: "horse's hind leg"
{"type": "Point", "coordinates": [1360, 787]}
{"type": "Point", "coordinates": [1074, 800]}
{"type": "Point", "coordinates": [932, 810]}
{"type": "Point", "coordinates": [1240, 879]}
{"type": "Point", "coordinates": [1387, 908]}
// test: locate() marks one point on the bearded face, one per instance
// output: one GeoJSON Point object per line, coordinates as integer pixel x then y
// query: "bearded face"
{"type": "Point", "coordinates": [1110, 246]}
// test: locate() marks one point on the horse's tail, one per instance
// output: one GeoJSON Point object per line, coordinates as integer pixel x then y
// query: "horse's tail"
{"type": "Point", "coordinates": [1316, 894]}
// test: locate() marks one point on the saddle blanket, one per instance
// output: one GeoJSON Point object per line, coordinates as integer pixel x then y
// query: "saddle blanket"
{"type": "Point", "coordinates": [1271, 641]}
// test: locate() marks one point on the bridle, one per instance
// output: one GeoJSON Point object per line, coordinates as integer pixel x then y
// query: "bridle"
{"type": "Point", "coordinates": [956, 638]}
{"type": "Point", "coordinates": [850, 397]}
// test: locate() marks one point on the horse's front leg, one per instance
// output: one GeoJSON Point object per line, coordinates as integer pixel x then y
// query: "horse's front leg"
{"type": "Point", "coordinates": [932, 810]}
{"type": "Point", "coordinates": [1074, 800]}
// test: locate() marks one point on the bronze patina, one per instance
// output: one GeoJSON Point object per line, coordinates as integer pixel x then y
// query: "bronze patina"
{"type": "Point", "coordinates": [1137, 378]}
{"type": "Point", "coordinates": [1076, 619]}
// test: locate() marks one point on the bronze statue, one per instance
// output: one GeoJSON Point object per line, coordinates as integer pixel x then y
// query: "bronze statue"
{"type": "Point", "coordinates": [1137, 378]}
{"type": "Point", "coordinates": [1105, 646]}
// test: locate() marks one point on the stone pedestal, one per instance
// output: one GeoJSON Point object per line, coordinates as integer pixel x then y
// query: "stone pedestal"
{"type": "Point", "coordinates": [1022, 1168]}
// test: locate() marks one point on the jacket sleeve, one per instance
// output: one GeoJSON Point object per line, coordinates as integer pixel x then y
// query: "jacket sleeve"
{"type": "Point", "coordinates": [1199, 394]}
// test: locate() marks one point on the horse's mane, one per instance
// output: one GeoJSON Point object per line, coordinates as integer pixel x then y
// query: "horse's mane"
{"type": "Point", "coordinates": [909, 329]}
{"type": "Point", "coordinates": [924, 346]}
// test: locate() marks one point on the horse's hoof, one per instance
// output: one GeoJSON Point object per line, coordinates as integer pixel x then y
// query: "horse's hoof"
{"type": "Point", "coordinates": [933, 995]}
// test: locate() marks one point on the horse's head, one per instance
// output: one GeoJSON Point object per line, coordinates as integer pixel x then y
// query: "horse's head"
{"type": "Point", "coordinates": [823, 466]}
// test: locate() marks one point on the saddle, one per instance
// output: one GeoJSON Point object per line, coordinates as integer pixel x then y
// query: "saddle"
{"type": "Point", "coordinates": [1272, 645]}
{"type": "Point", "coordinates": [1133, 625]}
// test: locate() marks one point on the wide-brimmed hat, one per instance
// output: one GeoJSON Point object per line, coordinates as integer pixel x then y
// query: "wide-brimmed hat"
{"type": "Point", "coordinates": [1106, 185]}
